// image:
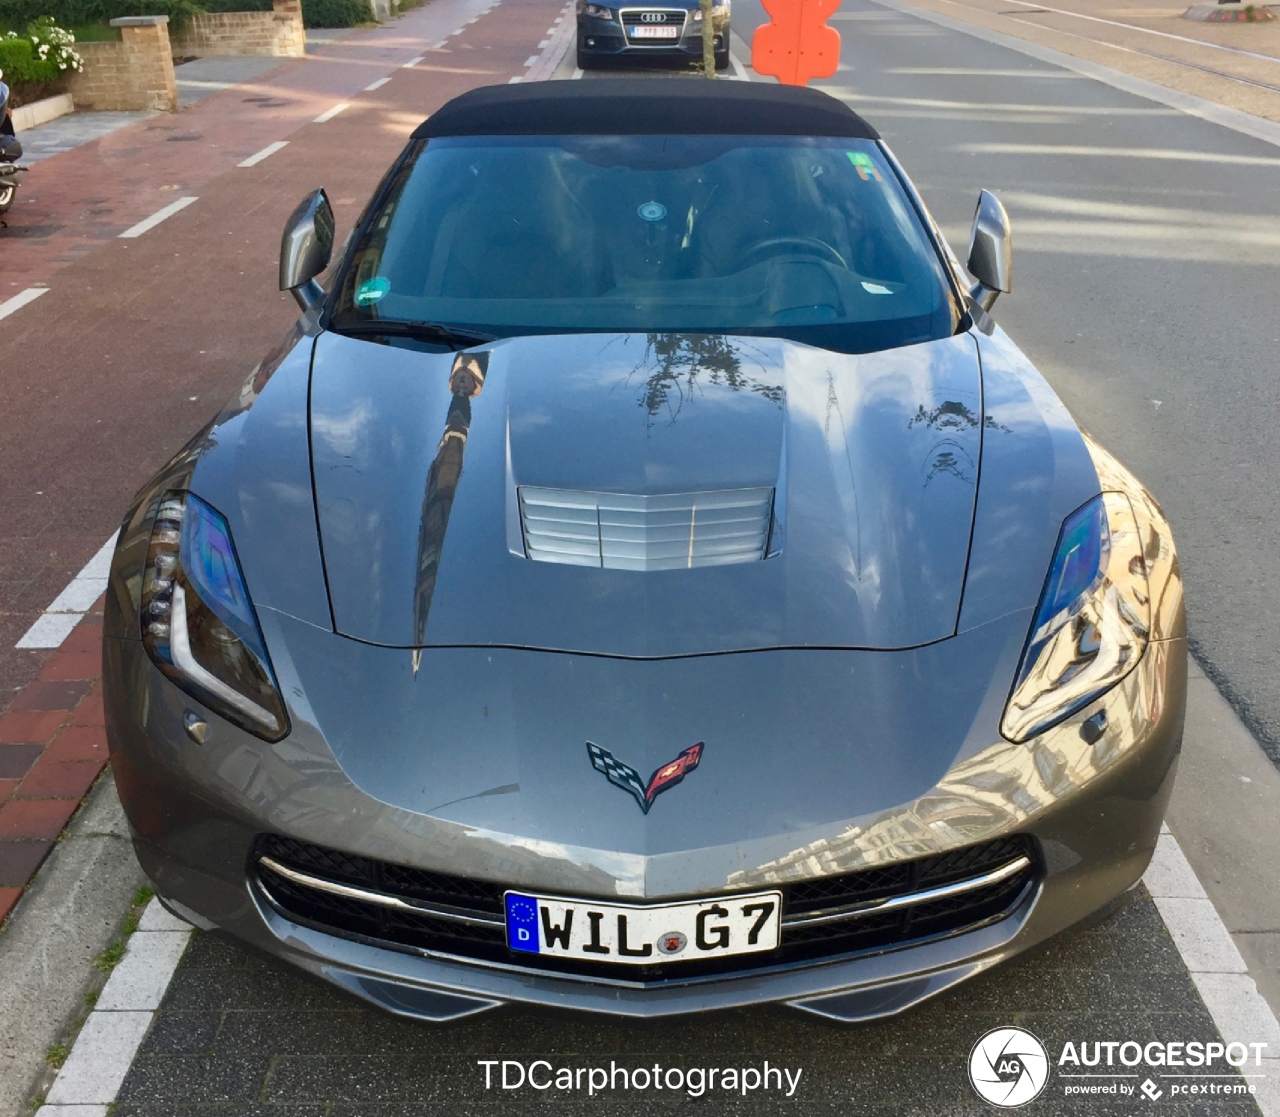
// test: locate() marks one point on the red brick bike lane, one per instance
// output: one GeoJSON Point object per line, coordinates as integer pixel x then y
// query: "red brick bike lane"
{"type": "Point", "coordinates": [71, 204]}
{"type": "Point", "coordinates": [138, 342]}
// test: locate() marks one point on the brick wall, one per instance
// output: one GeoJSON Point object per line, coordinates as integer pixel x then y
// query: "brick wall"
{"type": "Point", "coordinates": [277, 33]}
{"type": "Point", "coordinates": [131, 75]}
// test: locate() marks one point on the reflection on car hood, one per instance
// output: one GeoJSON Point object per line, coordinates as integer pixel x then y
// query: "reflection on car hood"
{"type": "Point", "coordinates": [871, 461]}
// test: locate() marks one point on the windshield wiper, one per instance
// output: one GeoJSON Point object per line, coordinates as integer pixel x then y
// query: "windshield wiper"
{"type": "Point", "coordinates": [419, 331]}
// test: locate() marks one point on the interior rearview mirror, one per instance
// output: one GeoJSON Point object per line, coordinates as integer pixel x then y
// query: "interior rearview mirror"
{"type": "Point", "coordinates": [306, 249]}
{"type": "Point", "coordinates": [990, 259]}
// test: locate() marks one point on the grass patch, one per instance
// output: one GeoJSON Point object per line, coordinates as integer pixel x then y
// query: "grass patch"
{"type": "Point", "coordinates": [56, 1055]}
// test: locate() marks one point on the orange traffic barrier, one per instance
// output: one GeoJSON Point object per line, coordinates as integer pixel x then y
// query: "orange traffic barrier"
{"type": "Point", "coordinates": [798, 45]}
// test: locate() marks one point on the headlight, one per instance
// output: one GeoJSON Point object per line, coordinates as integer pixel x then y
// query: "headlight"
{"type": "Point", "coordinates": [1093, 621]}
{"type": "Point", "coordinates": [598, 12]}
{"type": "Point", "coordinates": [198, 624]}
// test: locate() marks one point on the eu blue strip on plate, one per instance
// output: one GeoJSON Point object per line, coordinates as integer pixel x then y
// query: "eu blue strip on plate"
{"type": "Point", "coordinates": [522, 922]}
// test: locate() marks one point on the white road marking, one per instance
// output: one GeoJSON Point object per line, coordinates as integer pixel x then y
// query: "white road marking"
{"type": "Point", "coordinates": [739, 70]}
{"type": "Point", "coordinates": [531, 60]}
{"type": "Point", "coordinates": [104, 1050]}
{"type": "Point", "coordinates": [329, 114]}
{"type": "Point", "coordinates": [1220, 975]}
{"type": "Point", "coordinates": [1171, 155]}
{"type": "Point", "coordinates": [414, 61]}
{"type": "Point", "coordinates": [1150, 31]}
{"type": "Point", "coordinates": [1245, 123]}
{"type": "Point", "coordinates": [376, 85]}
{"type": "Point", "coordinates": [54, 625]}
{"type": "Point", "coordinates": [441, 44]}
{"type": "Point", "coordinates": [265, 153]}
{"type": "Point", "coordinates": [155, 219]}
{"type": "Point", "coordinates": [577, 74]}
{"type": "Point", "coordinates": [544, 44]}
{"type": "Point", "coordinates": [514, 81]}
{"type": "Point", "coordinates": [20, 300]}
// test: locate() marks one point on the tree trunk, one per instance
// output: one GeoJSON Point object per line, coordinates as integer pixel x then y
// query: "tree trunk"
{"type": "Point", "coordinates": [708, 40]}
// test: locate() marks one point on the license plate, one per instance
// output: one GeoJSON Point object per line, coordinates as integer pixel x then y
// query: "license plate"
{"type": "Point", "coordinates": [655, 32]}
{"type": "Point", "coordinates": [642, 935]}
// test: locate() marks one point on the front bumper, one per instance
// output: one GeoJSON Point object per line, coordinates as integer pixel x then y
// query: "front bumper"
{"type": "Point", "coordinates": [1093, 810]}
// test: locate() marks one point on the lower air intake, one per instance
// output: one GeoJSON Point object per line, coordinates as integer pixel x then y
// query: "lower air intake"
{"type": "Point", "coordinates": [823, 918]}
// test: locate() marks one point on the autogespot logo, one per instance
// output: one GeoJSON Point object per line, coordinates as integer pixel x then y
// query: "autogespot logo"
{"type": "Point", "coordinates": [1008, 1067]}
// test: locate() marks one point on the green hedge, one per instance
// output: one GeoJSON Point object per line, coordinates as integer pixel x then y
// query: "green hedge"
{"type": "Point", "coordinates": [335, 13]}
{"type": "Point", "coordinates": [16, 14]}
{"type": "Point", "coordinates": [21, 66]}
{"type": "Point", "coordinates": [315, 13]}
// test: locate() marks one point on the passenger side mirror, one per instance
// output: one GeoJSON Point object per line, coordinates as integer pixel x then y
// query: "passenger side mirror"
{"type": "Point", "coordinates": [306, 249]}
{"type": "Point", "coordinates": [990, 259]}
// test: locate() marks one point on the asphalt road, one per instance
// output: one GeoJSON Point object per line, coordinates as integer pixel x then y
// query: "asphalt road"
{"type": "Point", "coordinates": [1146, 289]}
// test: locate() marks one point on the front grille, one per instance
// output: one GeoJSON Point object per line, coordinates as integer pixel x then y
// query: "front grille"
{"type": "Point", "coordinates": [669, 17]}
{"type": "Point", "coordinates": [622, 532]}
{"type": "Point", "coordinates": [464, 917]}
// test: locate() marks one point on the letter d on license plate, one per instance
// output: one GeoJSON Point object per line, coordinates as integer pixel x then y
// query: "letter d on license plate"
{"type": "Point", "coordinates": [643, 934]}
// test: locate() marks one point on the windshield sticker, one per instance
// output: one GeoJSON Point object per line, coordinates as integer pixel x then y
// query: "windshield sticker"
{"type": "Point", "coordinates": [862, 163]}
{"type": "Point", "coordinates": [372, 291]}
{"type": "Point", "coordinates": [875, 289]}
{"type": "Point", "coordinates": [652, 211]}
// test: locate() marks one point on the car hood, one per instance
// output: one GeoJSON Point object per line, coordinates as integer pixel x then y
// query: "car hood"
{"type": "Point", "coordinates": [859, 472]}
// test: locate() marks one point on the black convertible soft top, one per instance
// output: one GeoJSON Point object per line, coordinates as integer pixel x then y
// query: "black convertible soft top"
{"type": "Point", "coordinates": [644, 107]}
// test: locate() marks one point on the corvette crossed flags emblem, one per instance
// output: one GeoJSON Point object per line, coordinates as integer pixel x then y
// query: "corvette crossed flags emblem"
{"type": "Point", "coordinates": [626, 777]}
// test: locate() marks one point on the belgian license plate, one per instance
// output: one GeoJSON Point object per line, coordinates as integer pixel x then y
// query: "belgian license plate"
{"type": "Point", "coordinates": [642, 935]}
{"type": "Point", "coordinates": [655, 32]}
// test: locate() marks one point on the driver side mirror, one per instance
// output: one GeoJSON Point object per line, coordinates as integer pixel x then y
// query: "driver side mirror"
{"type": "Point", "coordinates": [306, 249]}
{"type": "Point", "coordinates": [990, 258]}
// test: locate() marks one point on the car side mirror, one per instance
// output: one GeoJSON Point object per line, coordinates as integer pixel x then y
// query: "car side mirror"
{"type": "Point", "coordinates": [306, 249]}
{"type": "Point", "coordinates": [990, 259]}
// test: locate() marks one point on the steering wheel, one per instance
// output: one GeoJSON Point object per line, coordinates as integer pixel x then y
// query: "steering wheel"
{"type": "Point", "coordinates": [777, 246]}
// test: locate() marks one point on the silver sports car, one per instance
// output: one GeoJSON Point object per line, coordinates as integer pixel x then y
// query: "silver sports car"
{"type": "Point", "coordinates": [645, 581]}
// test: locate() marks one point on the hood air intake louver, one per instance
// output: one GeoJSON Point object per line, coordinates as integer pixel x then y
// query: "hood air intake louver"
{"type": "Point", "coordinates": [646, 532]}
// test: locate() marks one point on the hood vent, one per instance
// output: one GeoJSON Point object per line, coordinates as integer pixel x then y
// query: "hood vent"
{"type": "Point", "coordinates": [670, 532]}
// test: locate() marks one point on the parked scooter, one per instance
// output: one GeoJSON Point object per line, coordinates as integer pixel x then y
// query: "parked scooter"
{"type": "Point", "coordinates": [10, 153]}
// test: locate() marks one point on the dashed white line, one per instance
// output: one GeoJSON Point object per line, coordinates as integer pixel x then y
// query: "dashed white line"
{"type": "Point", "coordinates": [376, 85]}
{"type": "Point", "coordinates": [54, 625]}
{"type": "Point", "coordinates": [456, 31]}
{"type": "Point", "coordinates": [20, 300]}
{"type": "Point", "coordinates": [544, 44]}
{"type": "Point", "coordinates": [414, 61]}
{"type": "Point", "coordinates": [577, 73]}
{"type": "Point", "coordinates": [514, 81]}
{"type": "Point", "coordinates": [265, 153]}
{"type": "Point", "coordinates": [104, 1050]}
{"type": "Point", "coordinates": [155, 219]}
{"type": "Point", "coordinates": [329, 114]}
{"type": "Point", "coordinates": [533, 58]}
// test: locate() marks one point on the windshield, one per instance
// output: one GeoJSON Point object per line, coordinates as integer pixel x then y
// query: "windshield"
{"type": "Point", "coordinates": [809, 239]}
